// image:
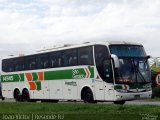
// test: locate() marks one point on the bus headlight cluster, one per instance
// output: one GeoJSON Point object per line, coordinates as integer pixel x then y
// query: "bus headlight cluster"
{"type": "Point", "coordinates": [118, 96]}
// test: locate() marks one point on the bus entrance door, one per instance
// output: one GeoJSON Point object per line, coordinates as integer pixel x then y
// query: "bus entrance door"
{"type": "Point", "coordinates": [109, 92]}
{"type": "Point", "coordinates": [99, 90]}
{"type": "Point", "coordinates": [108, 80]}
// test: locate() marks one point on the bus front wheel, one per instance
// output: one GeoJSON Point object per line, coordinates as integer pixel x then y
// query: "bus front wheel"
{"type": "Point", "coordinates": [88, 96]}
{"type": "Point", "coordinates": [119, 102]}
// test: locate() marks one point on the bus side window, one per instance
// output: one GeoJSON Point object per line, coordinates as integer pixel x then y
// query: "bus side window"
{"type": "Point", "coordinates": [30, 63]}
{"type": "Point", "coordinates": [7, 65]}
{"type": "Point", "coordinates": [42, 61]}
{"type": "Point", "coordinates": [85, 56]}
{"type": "Point", "coordinates": [19, 64]}
{"type": "Point", "coordinates": [4, 66]}
{"type": "Point", "coordinates": [103, 63]}
{"type": "Point", "coordinates": [55, 59]}
{"type": "Point", "coordinates": [70, 57]}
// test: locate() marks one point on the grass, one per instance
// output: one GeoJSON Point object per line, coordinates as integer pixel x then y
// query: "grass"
{"type": "Point", "coordinates": [155, 99]}
{"type": "Point", "coordinates": [77, 111]}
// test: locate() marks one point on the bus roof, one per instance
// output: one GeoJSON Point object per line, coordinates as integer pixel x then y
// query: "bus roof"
{"type": "Point", "coordinates": [123, 42]}
{"type": "Point", "coordinates": [70, 46]}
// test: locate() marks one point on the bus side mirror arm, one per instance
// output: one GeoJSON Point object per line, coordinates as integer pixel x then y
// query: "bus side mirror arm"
{"type": "Point", "coordinates": [148, 56]}
{"type": "Point", "coordinates": [116, 60]}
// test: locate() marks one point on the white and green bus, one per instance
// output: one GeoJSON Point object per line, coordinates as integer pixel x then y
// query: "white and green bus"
{"type": "Point", "coordinates": [115, 71]}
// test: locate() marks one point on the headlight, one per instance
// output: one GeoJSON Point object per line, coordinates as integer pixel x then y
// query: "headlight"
{"type": "Point", "coordinates": [118, 96]}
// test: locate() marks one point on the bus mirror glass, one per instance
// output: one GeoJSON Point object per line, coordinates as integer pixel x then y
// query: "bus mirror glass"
{"type": "Point", "coordinates": [116, 61]}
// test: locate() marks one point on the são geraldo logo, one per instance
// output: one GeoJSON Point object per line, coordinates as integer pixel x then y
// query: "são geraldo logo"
{"type": "Point", "coordinates": [76, 74]}
{"type": "Point", "coordinates": [81, 73]}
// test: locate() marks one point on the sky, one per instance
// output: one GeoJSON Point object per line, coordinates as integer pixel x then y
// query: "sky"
{"type": "Point", "coordinates": [30, 25]}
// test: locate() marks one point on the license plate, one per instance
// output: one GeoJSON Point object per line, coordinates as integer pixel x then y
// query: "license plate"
{"type": "Point", "coordinates": [137, 96]}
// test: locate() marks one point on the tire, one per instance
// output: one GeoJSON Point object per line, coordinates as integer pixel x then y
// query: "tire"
{"type": "Point", "coordinates": [55, 101]}
{"type": "Point", "coordinates": [119, 102]}
{"type": "Point", "coordinates": [88, 96]}
{"type": "Point", "coordinates": [25, 96]}
{"type": "Point", "coordinates": [44, 101]}
{"type": "Point", "coordinates": [3, 98]}
{"type": "Point", "coordinates": [17, 96]}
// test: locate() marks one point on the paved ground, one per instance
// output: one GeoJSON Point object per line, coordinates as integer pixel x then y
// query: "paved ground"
{"type": "Point", "coordinates": [143, 102]}
{"type": "Point", "coordinates": [134, 102]}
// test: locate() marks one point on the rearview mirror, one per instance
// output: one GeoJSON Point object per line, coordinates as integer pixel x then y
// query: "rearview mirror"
{"type": "Point", "coordinates": [116, 60]}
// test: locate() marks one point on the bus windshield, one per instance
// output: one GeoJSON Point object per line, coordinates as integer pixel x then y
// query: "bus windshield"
{"type": "Point", "coordinates": [134, 67]}
{"type": "Point", "coordinates": [127, 50]}
{"type": "Point", "coordinates": [135, 70]}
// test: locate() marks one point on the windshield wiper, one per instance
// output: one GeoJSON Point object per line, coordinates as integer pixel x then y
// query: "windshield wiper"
{"type": "Point", "coordinates": [141, 76]}
{"type": "Point", "coordinates": [138, 72]}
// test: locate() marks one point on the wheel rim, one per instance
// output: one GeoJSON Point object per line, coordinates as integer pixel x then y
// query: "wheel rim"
{"type": "Point", "coordinates": [17, 95]}
{"type": "Point", "coordinates": [25, 96]}
{"type": "Point", "coordinates": [88, 97]}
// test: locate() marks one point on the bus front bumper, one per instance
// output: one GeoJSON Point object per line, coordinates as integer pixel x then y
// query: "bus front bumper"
{"type": "Point", "coordinates": [119, 96]}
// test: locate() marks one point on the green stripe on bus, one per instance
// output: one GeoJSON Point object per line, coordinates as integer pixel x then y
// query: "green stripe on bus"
{"type": "Point", "coordinates": [12, 78]}
{"type": "Point", "coordinates": [21, 76]}
{"type": "Point", "coordinates": [135, 86]}
{"type": "Point", "coordinates": [68, 74]}
{"type": "Point", "coordinates": [38, 84]}
{"type": "Point", "coordinates": [80, 73]}
{"type": "Point", "coordinates": [56, 75]}
{"type": "Point", "coordinates": [92, 72]}
{"type": "Point", "coordinates": [34, 76]}
{"type": "Point", "coordinates": [140, 86]}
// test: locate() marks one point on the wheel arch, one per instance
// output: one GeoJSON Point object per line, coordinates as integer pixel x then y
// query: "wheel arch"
{"type": "Point", "coordinates": [15, 89]}
{"type": "Point", "coordinates": [25, 89]}
{"type": "Point", "coordinates": [26, 95]}
{"type": "Point", "coordinates": [85, 88]}
{"type": "Point", "coordinates": [17, 94]}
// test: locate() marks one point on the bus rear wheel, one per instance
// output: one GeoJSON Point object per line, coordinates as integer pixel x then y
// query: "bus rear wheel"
{"type": "Point", "coordinates": [17, 95]}
{"type": "Point", "coordinates": [88, 96]}
{"type": "Point", "coordinates": [25, 96]}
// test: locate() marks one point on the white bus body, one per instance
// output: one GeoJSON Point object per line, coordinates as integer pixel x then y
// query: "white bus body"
{"type": "Point", "coordinates": [90, 72]}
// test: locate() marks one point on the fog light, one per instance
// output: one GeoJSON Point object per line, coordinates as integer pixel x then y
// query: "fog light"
{"type": "Point", "coordinates": [118, 96]}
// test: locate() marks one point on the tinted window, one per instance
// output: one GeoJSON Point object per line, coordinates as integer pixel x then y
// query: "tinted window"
{"type": "Point", "coordinates": [103, 63]}
{"type": "Point", "coordinates": [42, 61]}
{"type": "Point", "coordinates": [19, 64]}
{"type": "Point", "coordinates": [4, 65]}
{"type": "Point", "coordinates": [127, 50]}
{"type": "Point", "coordinates": [55, 59]}
{"type": "Point", "coordinates": [30, 63]}
{"type": "Point", "coordinates": [7, 65]}
{"type": "Point", "coordinates": [85, 56]}
{"type": "Point", "coordinates": [101, 54]}
{"type": "Point", "coordinates": [70, 57]}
